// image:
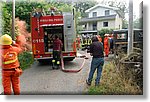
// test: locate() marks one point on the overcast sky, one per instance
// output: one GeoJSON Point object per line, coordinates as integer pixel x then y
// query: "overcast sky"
{"type": "Point", "coordinates": [135, 6]}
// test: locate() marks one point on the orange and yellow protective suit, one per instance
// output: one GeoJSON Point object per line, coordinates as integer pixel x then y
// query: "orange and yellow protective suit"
{"type": "Point", "coordinates": [106, 46]}
{"type": "Point", "coordinates": [78, 42]}
{"type": "Point", "coordinates": [9, 66]}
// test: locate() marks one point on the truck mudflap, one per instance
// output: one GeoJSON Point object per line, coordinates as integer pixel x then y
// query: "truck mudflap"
{"type": "Point", "coordinates": [71, 70]}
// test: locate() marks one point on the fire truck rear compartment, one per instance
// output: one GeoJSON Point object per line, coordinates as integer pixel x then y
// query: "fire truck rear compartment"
{"type": "Point", "coordinates": [49, 35]}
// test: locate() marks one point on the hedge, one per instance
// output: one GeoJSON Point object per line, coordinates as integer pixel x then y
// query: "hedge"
{"type": "Point", "coordinates": [25, 59]}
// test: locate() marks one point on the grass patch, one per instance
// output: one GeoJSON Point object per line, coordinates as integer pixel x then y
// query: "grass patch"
{"type": "Point", "coordinates": [114, 82]}
{"type": "Point", "coordinates": [25, 59]}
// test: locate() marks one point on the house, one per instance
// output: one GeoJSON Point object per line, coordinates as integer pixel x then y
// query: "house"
{"type": "Point", "coordinates": [99, 17]}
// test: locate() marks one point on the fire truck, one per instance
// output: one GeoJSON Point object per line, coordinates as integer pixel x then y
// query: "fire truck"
{"type": "Point", "coordinates": [121, 40]}
{"type": "Point", "coordinates": [43, 30]}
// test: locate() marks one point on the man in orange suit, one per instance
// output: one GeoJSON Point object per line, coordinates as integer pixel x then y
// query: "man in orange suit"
{"type": "Point", "coordinates": [106, 45]}
{"type": "Point", "coordinates": [10, 65]}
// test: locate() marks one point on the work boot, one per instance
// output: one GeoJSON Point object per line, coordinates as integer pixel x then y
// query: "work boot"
{"type": "Point", "coordinates": [53, 67]}
{"type": "Point", "coordinates": [58, 64]}
{"type": "Point", "coordinates": [58, 67]}
{"type": "Point", "coordinates": [53, 64]}
{"type": "Point", "coordinates": [88, 83]}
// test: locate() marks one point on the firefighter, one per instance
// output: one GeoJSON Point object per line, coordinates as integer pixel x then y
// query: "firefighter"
{"type": "Point", "coordinates": [57, 46]}
{"type": "Point", "coordinates": [106, 45]}
{"type": "Point", "coordinates": [38, 13]}
{"type": "Point", "coordinates": [99, 38]}
{"type": "Point", "coordinates": [83, 42]}
{"type": "Point", "coordinates": [52, 10]}
{"type": "Point", "coordinates": [86, 42]}
{"type": "Point", "coordinates": [89, 41]}
{"type": "Point", "coordinates": [10, 65]}
{"type": "Point", "coordinates": [78, 42]}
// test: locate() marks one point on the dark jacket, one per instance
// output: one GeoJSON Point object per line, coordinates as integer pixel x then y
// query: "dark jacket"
{"type": "Point", "coordinates": [96, 49]}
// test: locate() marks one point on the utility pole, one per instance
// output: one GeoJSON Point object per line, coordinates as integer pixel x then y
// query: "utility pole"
{"type": "Point", "coordinates": [13, 19]}
{"type": "Point", "coordinates": [130, 28]}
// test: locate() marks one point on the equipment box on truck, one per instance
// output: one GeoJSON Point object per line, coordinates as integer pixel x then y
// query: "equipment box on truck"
{"type": "Point", "coordinates": [121, 39]}
{"type": "Point", "coordinates": [45, 27]}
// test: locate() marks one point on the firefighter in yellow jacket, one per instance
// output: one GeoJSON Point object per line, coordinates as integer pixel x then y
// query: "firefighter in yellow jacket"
{"type": "Point", "coordinates": [10, 65]}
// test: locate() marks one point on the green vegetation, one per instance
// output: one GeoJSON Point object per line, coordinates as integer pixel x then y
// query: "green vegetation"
{"type": "Point", "coordinates": [116, 82]}
{"type": "Point", "coordinates": [6, 19]}
{"type": "Point", "coordinates": [24, 8]}
{"type": "Point", "coordinates": [25, 59]}
{"type": "Point", "coordinates": [104, 31]}
{"type": "Point", "coordinates": [82, 6]}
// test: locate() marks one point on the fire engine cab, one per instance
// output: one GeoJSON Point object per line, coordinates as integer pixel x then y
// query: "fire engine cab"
{"type": "Point", "coordinates": [43, 30]}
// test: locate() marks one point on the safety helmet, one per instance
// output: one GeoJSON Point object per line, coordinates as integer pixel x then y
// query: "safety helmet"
{"type": "Point", "coordinates": [106, 35]}
{"type": "Point", "coordinates": [5, 40]}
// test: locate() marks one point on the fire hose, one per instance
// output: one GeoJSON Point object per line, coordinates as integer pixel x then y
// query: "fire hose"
{"type": "Point", "coordinates": [71, 70]}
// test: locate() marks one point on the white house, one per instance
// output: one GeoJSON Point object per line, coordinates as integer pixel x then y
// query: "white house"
{"type": "Point", "coordinates": [99, 17]}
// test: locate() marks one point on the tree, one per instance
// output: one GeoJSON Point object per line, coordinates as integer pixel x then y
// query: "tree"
{"type": "Point", "coordinates": [122, 5]}
{"type": "Point", "coordinates": [82, 6]}
{"type": "Point", "coordinates": [24, 9]}
{"type": "Point", "coordinates": [102, 32]}
{"type": "Point", "coordinates": [125, 24]}
{"type": "Point", "coordinates": [6, 20]}
{"type": "Point", "coordinates": [138, 23]}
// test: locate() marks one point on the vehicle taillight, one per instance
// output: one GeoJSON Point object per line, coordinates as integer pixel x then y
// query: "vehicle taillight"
{"type": "Point", "coordinates": [71, 54]}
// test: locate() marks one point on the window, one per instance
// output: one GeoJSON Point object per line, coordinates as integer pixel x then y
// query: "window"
{"type": "Point", "coordinates": [84, 26]}
{"type": "Point", "coordinates": [95, 26]}
{"type": "Point", "coordinates": [107, 12]}
{"type": "Point", "coordinates": [94, 14]}
{"type": "Point", "coordinates": [105, 24]}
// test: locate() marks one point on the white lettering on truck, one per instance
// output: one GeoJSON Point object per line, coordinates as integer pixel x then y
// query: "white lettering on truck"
{"type": "Point", "coordinates": [38, 40]}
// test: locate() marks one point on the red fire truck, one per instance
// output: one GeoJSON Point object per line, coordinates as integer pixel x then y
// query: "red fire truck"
{"type": "Point", "coordinates": [43, 30]}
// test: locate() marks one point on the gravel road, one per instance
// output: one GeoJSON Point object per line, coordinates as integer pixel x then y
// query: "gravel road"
{"type": "Point", "coordinates": [41, 79]}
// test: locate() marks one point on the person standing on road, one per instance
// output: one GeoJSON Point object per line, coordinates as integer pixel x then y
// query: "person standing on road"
{"type": "Point", "coordinates": [78, 40]}
{"type": "Point", "coordinates": [106, 45]}
{"type": "Point", "coordinates": [57, 47]}
{"type": "Point", "coordinates": [10, 65]}
{"type": "Point", "coordinates": [99, 38]}
{"type": "Point", "coordinates": [96, 50]}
